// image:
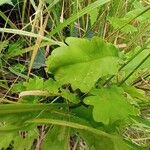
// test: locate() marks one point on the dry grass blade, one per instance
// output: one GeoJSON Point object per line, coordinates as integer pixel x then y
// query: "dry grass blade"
{"type": "Point", "coordinates": [34, 93]}
{"type": "Point", "coordinates": [30, 34]}
{"type": "Point", "coordinates": [37, 45]}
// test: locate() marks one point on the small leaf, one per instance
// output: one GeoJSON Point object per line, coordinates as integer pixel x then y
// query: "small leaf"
{"type": "Point", "coordinates": [70, 96]}
{"type": "Point", "coordinates": [14, 49]}
{"type": "Point", "coordinates": [83, 62]}
{"type": "Point", "coordinates": [38, 87]}
{"type": "Point", "coordinates": [18, 67]}
{"type": "Point", "coordinates": [143, 17]}
{"type": "Point", "coordinates": [3, 45]}
{"type": "Point", "coordinates": [54, 87]}
{"type": "Point", "coordinates": [18, 87]}
{"type": "Point", "coordinates": [110, 105]}
{"type": "Point", "coordinates": [119, 22]}
{"type": "Point", "coordinates": [39, 59]}
{"type": "Point", "coordinates": [51, 86]}
{"type": "Point", "coordinates": [34, 84]}
{"type": "Point", "coordinates": [93, 15]}
{"type": "Point", "coordinates": [57, 138]}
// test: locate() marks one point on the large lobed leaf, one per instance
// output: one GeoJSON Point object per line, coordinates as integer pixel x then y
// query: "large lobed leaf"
{"type": "Point", "coordinates": [82, 62]}
{"type": "Point", "coordinates": [110, 105]}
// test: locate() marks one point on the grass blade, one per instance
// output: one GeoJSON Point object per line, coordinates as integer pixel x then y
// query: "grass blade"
{"type": "Point", "coordinates": [30, 34]}
{"type": "Point", "coordinates": [135, 69]}
{"type": "Point", "coordinates": [21, 108]}
{"type": "Point", "coordinates": [77, 15]}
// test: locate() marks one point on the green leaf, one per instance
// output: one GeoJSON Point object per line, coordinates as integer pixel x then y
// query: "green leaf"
{"type": "Point", "coordinates": [27, 142]}
{"type": "Point", "coordinates": [69, 96]}
{"type": "Point", "coordinates": [5, 2]}
{"type": "Point", "coordinates": [119, 22]}
{"type": "Point", "coordinates": [5, 139]}
{"type": "Point", "coordinates": [110, 105]}
{"type": "Point", "coordinates": [96, 142]}
{"type": "Point", "coordinates": [83, 62]}
{"type": "Point", "coordinates": [134, 92]}
{"type": "Point", "coordinates": [142, 18]}
{"type": "Point", "coordinates": [18, 67]}
{"type": "Point", "coordinates": [86, 114]}
{"type": "Point", "coordinates": [51, 2]}
{"type": "Point", "coordinates": [93, 15]}
{"type": "Point", "coordinates": [34, 84]}
{"type": "Point", "coordinates": [141, 70]}
{"type": "Point", "coordinates": [57, 138]}
{"type": "Point", "coordinates": [53, 88]}
{"type": "Point", "coordinates": [39, 59]}
{"type": "Point", "coordinates": [18, 87]}
{"type": "Point", "coordinates": [3, 45]}
{"type": "Point", "coordinates": [14, 138]}
{"type": "Point", "coordinates": [21, 113]}
{"type": "Point", "coordinates": [14, 49]}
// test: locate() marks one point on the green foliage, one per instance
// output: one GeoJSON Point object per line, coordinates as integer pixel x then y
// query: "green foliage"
{"type": "Point", "coordinates": [136, 60]}
{"type": "Point", "coordinates": [135, 93]}
{"type": "Point", "coordinates": [106, 102]}
{"type": "Point", "coordinates": [57, 138]}
{"type": "Point", "coordinates": [14, 137]}
{"type": "Point", "coordinates": [99, 142]}
{"type": "Point", "coordinates": [83, 63]}
{"type": "Point", "coordinates": [3, 45]}
{"type": "Point", "coordinates": [119, 22]}
{"type": "Point", "coordinates": [13, 118]}
{"type": "Point", "coordinates": [14, 49]}
{"type": "Point", "coordinates": [40, 59]}
{"type": "Point", "coordinates": [6, 2]}
{"type": "Point", "coordinates": [93, 15]}
{"type": "Point", "coordinates": [52, 87]}
{"type": "Point", "coordinates": [78, 65]}
{"type": "Point", "coordinates": [81, 91]}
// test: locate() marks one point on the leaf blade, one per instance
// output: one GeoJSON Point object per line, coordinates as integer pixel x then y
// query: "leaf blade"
{"type": "Point", "coordinates": [83, 62]}
{"type": "Point", "coordinates": [106, 102]}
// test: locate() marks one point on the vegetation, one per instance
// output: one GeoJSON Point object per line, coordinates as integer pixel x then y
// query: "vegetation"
{"type": "Point", "coordinates": [74, 74]}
